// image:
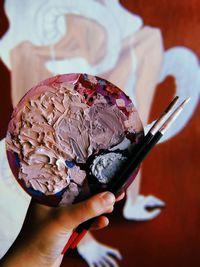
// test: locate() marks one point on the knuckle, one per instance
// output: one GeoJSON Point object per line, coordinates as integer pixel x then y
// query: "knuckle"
{"type": "Point", "coordinates": [91, 206]}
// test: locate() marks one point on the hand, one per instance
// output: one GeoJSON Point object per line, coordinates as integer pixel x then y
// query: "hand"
{"type": "Point", "coordinates": [97, 254]}
{"type": "Point", "coordinates": [46, 230]}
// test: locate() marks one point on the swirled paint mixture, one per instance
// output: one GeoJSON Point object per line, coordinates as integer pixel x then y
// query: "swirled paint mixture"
{"type": "Point", "coordinates": [64, 121]}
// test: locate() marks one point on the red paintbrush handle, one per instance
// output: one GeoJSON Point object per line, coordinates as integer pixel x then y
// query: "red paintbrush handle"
{"type": "Point", "coordinates": [78, 238]}
{"type": "Point", "coordinates": [70, 242]}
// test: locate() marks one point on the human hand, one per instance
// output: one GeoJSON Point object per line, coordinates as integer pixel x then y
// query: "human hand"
{"type": "Point", "coordinates": [46, 230]}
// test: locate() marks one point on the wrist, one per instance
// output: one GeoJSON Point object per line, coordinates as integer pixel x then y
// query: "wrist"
{"type": "Point", "coordinates": [31, 252]}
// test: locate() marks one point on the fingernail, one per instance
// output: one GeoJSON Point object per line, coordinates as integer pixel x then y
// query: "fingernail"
{"type": "Point", "coordinates": [108, 197]}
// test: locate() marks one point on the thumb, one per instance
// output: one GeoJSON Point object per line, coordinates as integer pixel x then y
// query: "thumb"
{"type": "Point", "coordinates": [76, 214]}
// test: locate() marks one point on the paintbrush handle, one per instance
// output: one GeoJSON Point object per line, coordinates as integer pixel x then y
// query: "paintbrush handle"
{"type": "Point", "coordinates": [85, 225]}
{"type": "Point", "coordinates": [123, 177]}
{"type": "Point", "coordinates": [134, 163]}
{"type": "Point", "coordinates": [142, 144]}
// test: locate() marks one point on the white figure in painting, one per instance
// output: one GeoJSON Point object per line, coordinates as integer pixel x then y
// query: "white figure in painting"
{"type": "Point", "coordinates": [98, 37]}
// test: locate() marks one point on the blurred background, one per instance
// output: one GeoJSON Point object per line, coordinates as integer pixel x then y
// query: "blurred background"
{"type": "Point", "coordinates": [171, 172]}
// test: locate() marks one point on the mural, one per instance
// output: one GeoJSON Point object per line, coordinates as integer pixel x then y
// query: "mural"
{"type": "Point", "coordinates": [103, 39]}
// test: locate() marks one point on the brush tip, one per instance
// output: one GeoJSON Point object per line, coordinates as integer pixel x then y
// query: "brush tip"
{"type": "Point", "coordinates": [186, 100]}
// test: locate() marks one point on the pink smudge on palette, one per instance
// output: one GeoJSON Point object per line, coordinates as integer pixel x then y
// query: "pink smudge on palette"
{"type": "Point", "coordinates": [69, 136]}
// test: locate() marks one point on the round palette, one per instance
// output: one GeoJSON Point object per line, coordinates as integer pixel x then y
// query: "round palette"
{"type": "Point", "coordinates": [69, 136]}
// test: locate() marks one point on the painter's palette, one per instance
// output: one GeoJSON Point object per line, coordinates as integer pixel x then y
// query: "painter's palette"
{"type": "Point", "coordinates": [69, 136]}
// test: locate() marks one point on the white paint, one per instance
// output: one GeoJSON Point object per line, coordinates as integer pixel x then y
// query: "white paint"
{"type": "Point", "coordinates": [98, 255]}
{"type": "Point", "coordinates": [183, 65]}
{"type": "Point", "coordinates": [13, 203]}
{"type": "Point", "coordinates": [139, 212]}
{"type": "Point", "coordinates": [45, 24]}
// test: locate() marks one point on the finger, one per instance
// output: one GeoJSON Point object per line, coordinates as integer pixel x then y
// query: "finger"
{"type": "Point", "coordinates": [91, 264]}
{"type": "Point", "coordinates": [153, 214]}
{"type": "Point", "coordinates": [152, 202]}
{"type": "Point", "coordinates": [98, 264]}
{"type": "Point", "coordinates": [104, 263]}
{"type": "Point", "coordinates": [100, 223]}
{"type": "Point", "coordinates": [112, 262]}
{"type": "Point", "coordinates": [120, 197]}
{"type": "Point", "coordinates": [85, 210]}
{"type": "Point", "coordinates": [115, 252]}
{"type": "Point", "coordinates": [109, 210]}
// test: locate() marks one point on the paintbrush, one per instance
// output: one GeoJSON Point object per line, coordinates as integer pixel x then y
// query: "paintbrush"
{"type": "Point", "coordinates": [144, 150]}
{"type": "Point", "coordinates": [152, 137]}
{"type": "Point", "coordinates": [155, 126]}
